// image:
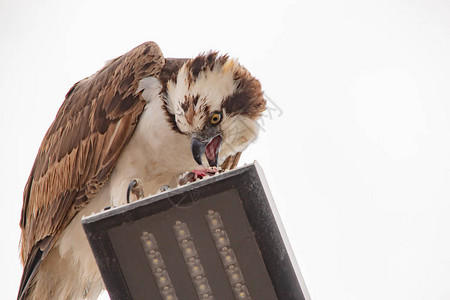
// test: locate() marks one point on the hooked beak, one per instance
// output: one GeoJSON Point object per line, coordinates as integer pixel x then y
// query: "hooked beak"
{"type": "Point", "coordinates": [210, 147]}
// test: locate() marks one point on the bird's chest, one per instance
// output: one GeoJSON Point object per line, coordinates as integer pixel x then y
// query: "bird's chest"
{"type": "Point", "coordinates": [155, 155]}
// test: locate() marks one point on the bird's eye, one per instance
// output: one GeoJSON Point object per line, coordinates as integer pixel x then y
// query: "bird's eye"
{"type": "Point", "coordinates": [216, 118]}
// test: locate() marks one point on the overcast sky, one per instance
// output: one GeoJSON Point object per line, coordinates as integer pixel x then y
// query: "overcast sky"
{"type": "Point", "coordinates": [356, 149]}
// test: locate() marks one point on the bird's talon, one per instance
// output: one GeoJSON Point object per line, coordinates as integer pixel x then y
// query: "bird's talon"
{"type": "Point", "coordinates": [135, 188]}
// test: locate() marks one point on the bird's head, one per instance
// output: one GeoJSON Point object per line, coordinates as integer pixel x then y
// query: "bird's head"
{"type": "Point", "coordinates": [216, 102]}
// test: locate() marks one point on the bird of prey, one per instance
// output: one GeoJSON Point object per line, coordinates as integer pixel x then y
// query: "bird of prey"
{"type": "Point", "coordinates": [142, 116]}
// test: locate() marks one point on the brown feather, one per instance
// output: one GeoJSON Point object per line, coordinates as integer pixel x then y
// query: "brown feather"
{"type": "Point", "coordinates": [82, 145]}
{"type": "Point", "coordinates": [235, 159]}
{"type": "Point", "coordinates": [231, 161]}
{"type": "Point", "coordinates": [248, 100]}
{"type": "Point", "coordinates": [226, 163]}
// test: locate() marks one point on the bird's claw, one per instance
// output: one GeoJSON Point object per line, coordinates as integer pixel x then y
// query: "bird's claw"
{"type": "Point", "coordinates": [135, 187]}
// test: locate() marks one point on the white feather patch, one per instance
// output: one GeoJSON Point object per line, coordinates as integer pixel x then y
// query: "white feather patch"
{"type": "Point", "coordinates": [150, 87]}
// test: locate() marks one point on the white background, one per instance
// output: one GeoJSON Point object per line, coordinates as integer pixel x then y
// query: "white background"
{"type": "Point", "coordinates": [358, 161]}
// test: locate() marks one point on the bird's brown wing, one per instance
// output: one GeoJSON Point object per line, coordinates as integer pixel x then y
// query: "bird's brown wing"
{"type": "Point", "coordinates": [80, 149]}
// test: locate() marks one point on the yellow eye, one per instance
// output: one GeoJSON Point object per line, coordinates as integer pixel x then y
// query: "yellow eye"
{"type": "Point", "coordinates": [216, 118]}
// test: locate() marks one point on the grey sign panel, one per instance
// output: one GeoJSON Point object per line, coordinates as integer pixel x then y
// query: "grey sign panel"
{"type": "Point", "coordinates": [217, 238]}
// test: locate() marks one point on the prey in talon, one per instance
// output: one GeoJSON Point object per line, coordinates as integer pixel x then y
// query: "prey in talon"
{"type": "Point", "coordinates": [199, 173]}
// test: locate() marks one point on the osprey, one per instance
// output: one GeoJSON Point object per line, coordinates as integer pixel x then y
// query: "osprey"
{"type": "Point", "coordinates": [142, 117]}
